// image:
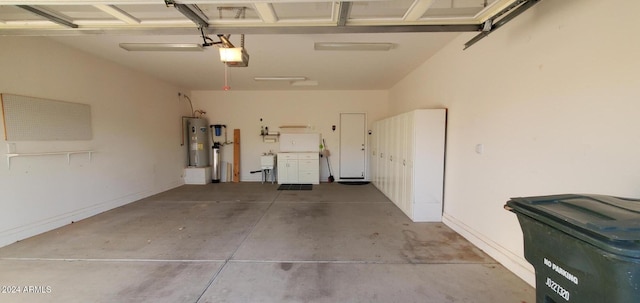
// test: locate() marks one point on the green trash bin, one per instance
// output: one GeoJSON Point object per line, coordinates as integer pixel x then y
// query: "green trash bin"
{"type": "Point", "coordinates": [584, 248]}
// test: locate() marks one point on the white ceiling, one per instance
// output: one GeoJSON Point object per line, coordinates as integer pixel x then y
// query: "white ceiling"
{"type": "Point", "coordinates": [279, 37]}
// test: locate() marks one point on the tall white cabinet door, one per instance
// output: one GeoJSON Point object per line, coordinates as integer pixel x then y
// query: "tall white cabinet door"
{"type": "Point", "coordinates": [384, 157]}
{"type": "Point", "coordinates": [381, 153]}
{"type": "Point", "coordinates": [408, 172]}
{"type": "Point", "coordinates": [373, 152]}
{"type": "Point", "coordinates": [392, 157]}
{"type": "Point", "coordinates": [398, 129]}
{"type": "Point", "coordinates": [429, 150]}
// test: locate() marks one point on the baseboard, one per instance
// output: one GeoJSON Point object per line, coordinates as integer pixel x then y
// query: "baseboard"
{"type": "Point", "coordinates": [516, 264]}
{"type": "Point", "coordinates": [29, 230]}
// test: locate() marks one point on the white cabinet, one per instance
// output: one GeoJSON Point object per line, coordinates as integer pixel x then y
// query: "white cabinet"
{"type": "Point", "coordinates": [409, 165]}
{"type": "Point", "coordinates": [299, 142]}
{"type": "Point", "coordinates": [298, 168]}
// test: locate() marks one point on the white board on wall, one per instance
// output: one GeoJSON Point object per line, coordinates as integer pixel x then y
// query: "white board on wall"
{"type": "Point", "coordinates": [36, 119]}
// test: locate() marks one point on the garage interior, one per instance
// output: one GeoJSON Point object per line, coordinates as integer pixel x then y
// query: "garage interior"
{"type": "Point", "coordinates": [541, 103]}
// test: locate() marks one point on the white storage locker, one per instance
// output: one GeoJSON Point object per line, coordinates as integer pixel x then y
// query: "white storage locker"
{"type": "Point", "coordinates": [410, 166]}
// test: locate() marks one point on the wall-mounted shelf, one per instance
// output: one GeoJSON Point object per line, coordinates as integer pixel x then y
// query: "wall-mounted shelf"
{"type": "Point", "coordinates": [67, 153]}
{"type": "Point", "coordinates": [295, 128]}
{"type": "Point", "coordinates": [270, 137]}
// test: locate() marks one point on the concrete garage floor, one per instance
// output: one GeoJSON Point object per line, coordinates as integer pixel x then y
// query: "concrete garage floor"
{"type": "Point", "coordinates": [248, 242]}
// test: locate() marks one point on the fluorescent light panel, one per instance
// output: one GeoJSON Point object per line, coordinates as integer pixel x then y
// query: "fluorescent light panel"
{"type": "Point", "coordinates": [162, 47]}
{"type": "Point", "coordinates": [280, 78]}
{"type": "Point", "coordinates": [353, 46]}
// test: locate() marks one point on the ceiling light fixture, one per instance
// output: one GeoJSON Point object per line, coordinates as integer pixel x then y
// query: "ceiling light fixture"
{"type": "Point", "coordinates": [353, 46]}
{"type": "Point", "coordinates": [234, 57]}
{"type": "Point", "coordinates": [180, 47]}
{"type": "Point", "coordinates": [231, 54]}
{"type": "Point", "coordinates": [280, 78]}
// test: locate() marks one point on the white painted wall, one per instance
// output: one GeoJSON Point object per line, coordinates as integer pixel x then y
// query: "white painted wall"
{"type": "Point", "coordinates": [138, 150]}
{"type": "Point", "coordinates": [554, 96]}
{"type": "Point", "coordinates": [317, 109]}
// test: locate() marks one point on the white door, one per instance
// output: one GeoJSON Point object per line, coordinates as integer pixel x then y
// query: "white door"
{"type": "Point", "coordinates": [352, 145]}
{"type": "Point", "coordinates": [292, 171]}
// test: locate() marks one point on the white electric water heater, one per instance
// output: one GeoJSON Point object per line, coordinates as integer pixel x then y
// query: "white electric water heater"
{"type": "Point", "coordinates": [198, 129]}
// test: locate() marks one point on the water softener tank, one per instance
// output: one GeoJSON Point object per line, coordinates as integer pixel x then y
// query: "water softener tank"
{"type": "Point", "coordinates": [198, 142]}
{"type": "Point", "coordinates": [217, 162]}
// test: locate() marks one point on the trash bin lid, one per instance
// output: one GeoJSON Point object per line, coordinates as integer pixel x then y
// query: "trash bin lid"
{"type": "Point", "coordinates": [610, 223]}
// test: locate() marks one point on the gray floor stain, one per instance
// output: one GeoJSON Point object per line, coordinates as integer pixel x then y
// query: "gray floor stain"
{"type": "Point", "coordinates": [448, 247]}
{"type": "Point", "coordinates": [286, 266]}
